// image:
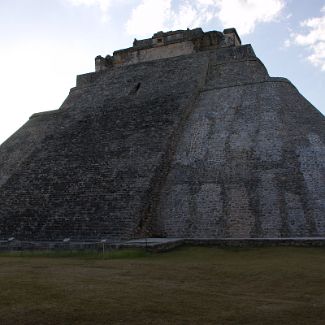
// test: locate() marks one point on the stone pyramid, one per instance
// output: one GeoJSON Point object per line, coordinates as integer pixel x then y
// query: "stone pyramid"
{"type": "Point", "coordinates": [182, 135]}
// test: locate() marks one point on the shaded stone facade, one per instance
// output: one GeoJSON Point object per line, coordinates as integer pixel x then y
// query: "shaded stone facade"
{"type": "Point", "coordinates": [192, 142]}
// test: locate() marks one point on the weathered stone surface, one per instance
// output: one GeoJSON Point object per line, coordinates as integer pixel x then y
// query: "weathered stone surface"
{"type": "Point", "coordinates": [199, 145]}
{"type": "Point", "coordinates": [167, 45]}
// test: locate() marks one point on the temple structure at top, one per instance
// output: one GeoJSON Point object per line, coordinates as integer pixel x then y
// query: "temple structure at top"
{"type": "Point", "coordinates": [170, 44]}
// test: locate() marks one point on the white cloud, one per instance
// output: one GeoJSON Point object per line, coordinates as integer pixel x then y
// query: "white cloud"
{"type": "Point", "coordinates": [287, 43]}
{"type": "Point", "coordinates": [187, 15]}
{"type": "Point", "coordinates": [245, 14]}
{"type": "Point", "coordinates": [313, 39]}
{"type": "Point", "coordinates": [30, 72]}
{"type": "Point", "coordinates": [103, 5]}
{"type": "Point", "coordinates": [150, 16]}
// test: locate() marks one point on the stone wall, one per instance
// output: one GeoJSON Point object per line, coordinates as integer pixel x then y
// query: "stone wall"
{"type": "Point", "coordinates": [166, 45]}
{"type": "Point", "coordinates": [204, 145]}
{"type": "Point", "coordinates": [250, 162]}
{"type": "Point", "coordinates": [155, 53]}
{"type": "Point", "coordinates": [88, 171]}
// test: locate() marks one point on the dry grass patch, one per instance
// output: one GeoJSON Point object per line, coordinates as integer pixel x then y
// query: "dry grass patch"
{"type": "Point", "coordinates": [187, 286]}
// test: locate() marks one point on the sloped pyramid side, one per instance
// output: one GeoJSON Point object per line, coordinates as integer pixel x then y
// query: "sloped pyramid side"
{"type": "Point", "coordinates": [251, 163]}
{"type": "Point", "coordinates": [202, 145]}
{"type": "Point", "coordinates": [86, 171]}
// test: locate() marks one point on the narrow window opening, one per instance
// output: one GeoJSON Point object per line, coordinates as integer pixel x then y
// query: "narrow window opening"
{"type": "Point", "coordinates": [135, 89]}
{"type": "Point", "coordinates": [159, 40]}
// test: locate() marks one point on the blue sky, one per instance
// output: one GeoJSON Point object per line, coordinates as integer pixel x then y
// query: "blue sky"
{"type": "Point", "coordinates": [44, 44]}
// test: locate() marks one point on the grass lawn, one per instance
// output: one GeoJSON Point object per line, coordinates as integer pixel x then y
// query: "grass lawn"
{"type": "Point", "coordinates": [193, 285]}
